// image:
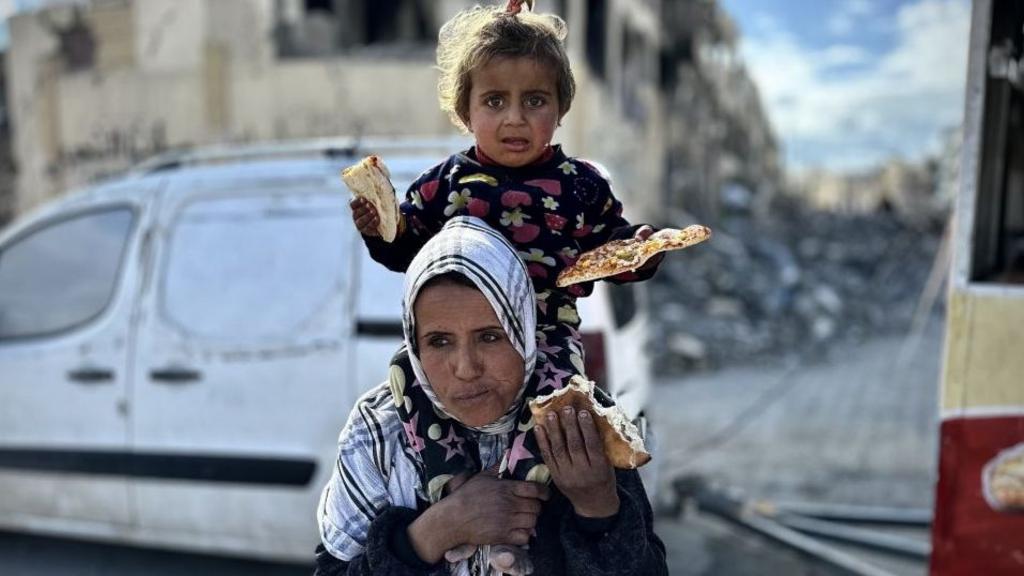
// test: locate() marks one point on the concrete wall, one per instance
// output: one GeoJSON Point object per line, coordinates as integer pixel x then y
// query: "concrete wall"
{"type": "Point", "coordinates": [339, 96]}
{"type": "Point", "coordinates": [598, 127]}
{"type": "Point", "coordinates": [32, 73]}
{"type": "Point", "coordinates": [174, 73]}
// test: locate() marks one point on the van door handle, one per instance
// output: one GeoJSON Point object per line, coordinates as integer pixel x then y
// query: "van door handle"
{"type": "Point", "coordinates": [175, 375]}
{"type": "Point", "coordinates": [91, 375]}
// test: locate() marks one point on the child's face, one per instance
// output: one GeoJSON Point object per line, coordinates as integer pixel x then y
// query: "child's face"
{"type": "Point", "coordinates": [513, 109]}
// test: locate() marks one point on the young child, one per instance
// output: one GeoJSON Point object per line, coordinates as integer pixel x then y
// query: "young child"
{"type": "Point", "coordinates": [506, 79]}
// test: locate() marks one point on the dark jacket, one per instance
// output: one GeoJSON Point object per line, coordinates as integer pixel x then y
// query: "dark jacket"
{"type": "Point", "coordinates": [566, 544]}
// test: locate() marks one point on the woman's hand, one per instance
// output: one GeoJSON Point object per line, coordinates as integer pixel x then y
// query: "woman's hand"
{"type": "Point", "coordinates": [365, 216]}
{"type": "Point", "coordinates": [643, 233]}
{"type": "Point", "coordinates": [497, 511]}
{"type": "Point", "coordinates": [482, 510]}
{"type": "Point", "coordinates": [574, 453]}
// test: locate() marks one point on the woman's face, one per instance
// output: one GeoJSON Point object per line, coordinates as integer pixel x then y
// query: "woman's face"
{"type": "Point", "coordinates": [466, 354]}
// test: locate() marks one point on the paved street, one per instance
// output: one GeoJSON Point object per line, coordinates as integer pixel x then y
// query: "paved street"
{"type": "Point", "coordinates": [859, 429]}
{"type": "Point", "coordinates": [25, 555]}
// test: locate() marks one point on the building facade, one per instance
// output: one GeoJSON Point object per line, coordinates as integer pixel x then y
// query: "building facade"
{"type": "Point", "coordinates": [720, 144]}
{"type": "Point", "coordinates": [96, 87]}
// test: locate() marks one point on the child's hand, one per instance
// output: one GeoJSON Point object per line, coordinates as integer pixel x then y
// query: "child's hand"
{"type": "Point", "coordinates": [643, 233]}
{"type": "Point", "coordinates": [365, 216]}
{"type": "Point", "coordinates": [574, 453]}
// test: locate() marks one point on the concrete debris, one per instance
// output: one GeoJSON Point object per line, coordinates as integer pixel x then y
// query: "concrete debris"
{"type": "Point", "coordinates": [795, 286]}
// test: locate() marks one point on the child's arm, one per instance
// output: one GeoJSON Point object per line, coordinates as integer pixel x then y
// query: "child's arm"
{"type": "Point", "coordinates": [394, 255]}
{"type": "Point", "coordinates": [606, 223]}
{"type": "Point", "coordinates": [418, 221]}
{"type": "Point", "coordinates": [649, 268]}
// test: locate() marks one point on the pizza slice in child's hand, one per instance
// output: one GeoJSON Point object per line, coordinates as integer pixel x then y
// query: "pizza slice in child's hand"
{"type": "Point", "coordinates": [620, 256]}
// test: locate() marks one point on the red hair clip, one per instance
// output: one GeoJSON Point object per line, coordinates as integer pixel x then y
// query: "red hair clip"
{"type": "Point", "coordinates": [516, 6]}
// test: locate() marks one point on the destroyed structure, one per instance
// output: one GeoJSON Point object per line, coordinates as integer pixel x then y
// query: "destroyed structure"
{"type": "Point", "coordinates": [663, 100]}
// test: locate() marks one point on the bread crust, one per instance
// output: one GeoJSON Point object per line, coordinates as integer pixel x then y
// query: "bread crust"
{"type": "Point", "coordinates": [622, 443]}
{"type": "Point", "coordinates": [627, 255]}
{"type": "Point", "coordinates": [371, 179]}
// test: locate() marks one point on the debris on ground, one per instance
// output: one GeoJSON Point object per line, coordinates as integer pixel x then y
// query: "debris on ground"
{"type": "Point", "coordinates": [790, 287]}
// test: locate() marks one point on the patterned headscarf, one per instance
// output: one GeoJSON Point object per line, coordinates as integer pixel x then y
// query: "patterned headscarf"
{"type": "Point", "coordinates": [442, 445]}
{"type": "Point", "coordinates": [468, 246]}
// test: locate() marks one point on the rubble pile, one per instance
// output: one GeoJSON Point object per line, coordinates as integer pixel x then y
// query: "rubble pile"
{"type": "Point", "coordinates": [792, 288]}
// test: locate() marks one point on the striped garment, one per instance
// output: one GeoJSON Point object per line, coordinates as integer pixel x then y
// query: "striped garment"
{"type": "Point", "coordinates": [373, 471]}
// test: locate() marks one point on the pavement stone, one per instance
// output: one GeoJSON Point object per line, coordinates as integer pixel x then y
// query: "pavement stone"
{"type": "Point", "coordinates": [860, 429]}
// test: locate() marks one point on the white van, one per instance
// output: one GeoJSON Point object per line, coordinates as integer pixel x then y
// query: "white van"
{"type": "Point", "coordinates": [180, 347]}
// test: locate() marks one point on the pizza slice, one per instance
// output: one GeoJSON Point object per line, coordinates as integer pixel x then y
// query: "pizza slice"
{"type": "Point", "coordinates": [627, 255]}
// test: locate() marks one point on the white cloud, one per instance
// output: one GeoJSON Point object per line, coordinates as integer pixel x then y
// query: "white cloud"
{"type": "Point", "coordinates": [7, 9]}
{"type": "Point", "coordinates": [830, 114]}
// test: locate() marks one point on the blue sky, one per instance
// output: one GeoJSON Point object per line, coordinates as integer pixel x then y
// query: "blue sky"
{"type": "Point", "coordinates": [849, 83]}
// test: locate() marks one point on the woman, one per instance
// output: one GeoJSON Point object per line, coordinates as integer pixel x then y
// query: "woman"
{"type": "Point", "coordinates": [418, 464]}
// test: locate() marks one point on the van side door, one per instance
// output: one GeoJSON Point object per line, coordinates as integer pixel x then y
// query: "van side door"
{"type": "Point", "coordinates": [244, 367]}
{"type": "Point", "coordinates": [67, 287]}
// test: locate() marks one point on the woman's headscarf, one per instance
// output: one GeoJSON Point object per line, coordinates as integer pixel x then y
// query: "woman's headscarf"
{"type": "Point", "coordinates": [444, 446]}
{"type": "Point", "coordinates": [468, 246]}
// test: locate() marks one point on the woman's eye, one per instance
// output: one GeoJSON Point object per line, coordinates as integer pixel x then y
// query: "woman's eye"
{"type": "Point", "coordinates": [438, 342]}
{"type": "Point", "coordinates": [491, 337]}
{"type": "Point", "coordinates": [493, 102]}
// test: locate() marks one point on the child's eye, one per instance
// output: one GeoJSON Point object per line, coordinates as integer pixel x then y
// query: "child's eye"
{"type": "Point", "coordinates": [536, 101]}
{"type": "Point", "coordinates": [494, 101]}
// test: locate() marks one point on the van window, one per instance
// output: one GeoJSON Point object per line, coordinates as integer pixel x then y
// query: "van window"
{"type": "Point", "coordinates": [247, 268]}
{"type": "Point", "coordinates": [623, 300]}
{"type": "Point", "coordinates": [62, 274]}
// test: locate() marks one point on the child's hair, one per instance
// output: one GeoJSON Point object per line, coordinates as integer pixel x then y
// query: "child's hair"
{"type": "Point", "coordinates": [476, 36]}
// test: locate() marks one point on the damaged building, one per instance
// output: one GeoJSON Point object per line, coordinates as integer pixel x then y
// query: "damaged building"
{"type": "Point", "coordinates": [7, 173]}
{"type": "Point", "coordinates": [161, 74]}
{"type": "Point", "coordinates": [917, 192]}
{"type": "Point", "coordinates": [662, 99]}
{"type": "Point", "coordinates": [722, 151]}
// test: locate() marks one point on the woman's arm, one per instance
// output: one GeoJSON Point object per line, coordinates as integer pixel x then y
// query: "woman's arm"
{"type": "Point", "coordinates": [624, 545]}
{"type": "Point", "coordinates": [484, 510]}
{"type": "Point", "coordinates": [609, 523]}
{"type": "Point", "coordinates": [387, 551]}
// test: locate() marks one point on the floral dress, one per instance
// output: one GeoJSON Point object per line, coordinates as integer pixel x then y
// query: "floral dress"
{"type": "Point", "coordinates": [551, 211]}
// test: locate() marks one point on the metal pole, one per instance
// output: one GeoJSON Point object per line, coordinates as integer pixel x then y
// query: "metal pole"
{"type": "Point", "coordinates": [851, 513]}
{"type": "Point", "coordinates": [736, 511]}
{"type": "Point", "coordinates": [859, 536]}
